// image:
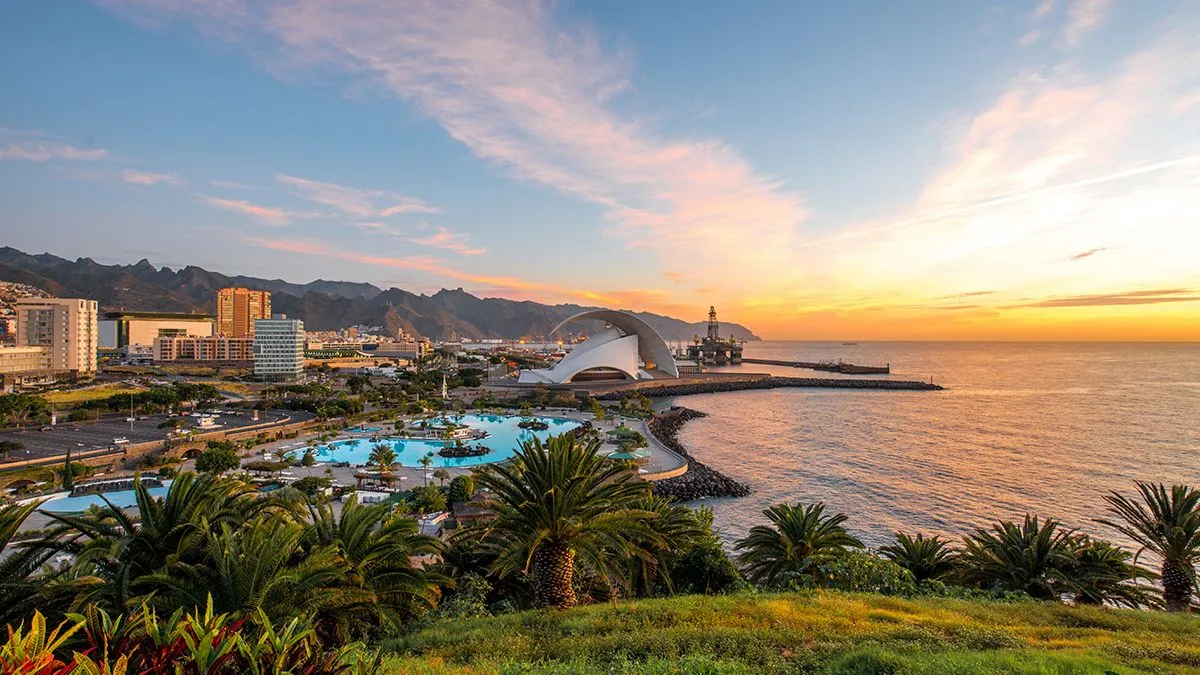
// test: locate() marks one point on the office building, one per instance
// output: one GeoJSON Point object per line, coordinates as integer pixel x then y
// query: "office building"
{"type": "Point", "coordinates": [135, 332]}
{"type": "Point", "coordinates": [239, 308]}
{"type": "Point", "coordinates": [212, 350]}
{"type": "Point", "coordinates": [278, 349]}
{"type": "Point", "coordinates": [22, 367]}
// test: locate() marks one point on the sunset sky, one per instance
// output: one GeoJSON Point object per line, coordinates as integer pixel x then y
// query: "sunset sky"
{"type": "Point", "coordinates": [844, 170]}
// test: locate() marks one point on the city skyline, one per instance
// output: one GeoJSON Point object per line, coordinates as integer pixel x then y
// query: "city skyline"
{"type": "Point", "coordinates": [927, 171]}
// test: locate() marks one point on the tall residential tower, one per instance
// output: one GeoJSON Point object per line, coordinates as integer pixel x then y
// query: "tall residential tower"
{"type": "Point", "coordinates": [239, 308]}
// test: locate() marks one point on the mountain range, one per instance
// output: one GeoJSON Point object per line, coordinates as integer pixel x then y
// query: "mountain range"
{"type": "Point", "coordinates": [322, 305]}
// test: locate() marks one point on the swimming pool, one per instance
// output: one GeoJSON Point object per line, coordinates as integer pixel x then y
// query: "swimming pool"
{"type": "Point", "coordinates": [121, 499]}
{"type": "Point", "coordinates": [504, 437]}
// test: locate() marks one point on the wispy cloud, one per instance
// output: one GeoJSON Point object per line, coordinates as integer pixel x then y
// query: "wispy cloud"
{"type": "Point", "coordinates": [1083, 16]}
{"type": "Point", "coordinates": [273, 216]}
{"type": "Point", "coordinates": [418, 263]}
{"type": "Point", "coordinates": [151, 178]}
{"type": "Point", "coordinates": [46, 150]}
{"type": "Point", "coordinates": [508, 285]}
{"type": "Point", "coordinates": [1089, 253]}
{"type": "Point", "coordinates": [451, 241]}
{"type": "Point", "coordinates": [1128, 298]}
{"type": "Point", "coordinates": [357, 202]}
{"type": "Point", "coordinates": [536, 99]}
{"type": "Point", "coordinates": [970, 294]}
{"type": "Point", "coordinates": [230, 185]}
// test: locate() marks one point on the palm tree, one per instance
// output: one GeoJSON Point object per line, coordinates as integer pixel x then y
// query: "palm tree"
{"type": "Point", "coordinates": [1034, 557]}
{"type": "Point", "coordinates": [442, 475]}
{"type": "Point", "coordinates": [928, 558]}
{"type": "Point", "coordinates": [1167, 523]}
{"type": "Point", "coordinates": [800, 535]}
{"type": "Point", "coordinates": [676, 528]}
{"type": "Point", "coordinates": [425, 462]}
{"type": "Point", "coordinates": [1102, 574]}
{"type": "Point", "coordinates": [123, 550]}
{"type": "Point", "coordinates": [22, 588]}
{"type": "Point", "coordinates": [379, 546]}
{"type": "Point", "coordinates": [261, 564]}
{"type": "Point", "coordinates": [383, 456]}
{"type": "Point", "coordinates": [559, 505]}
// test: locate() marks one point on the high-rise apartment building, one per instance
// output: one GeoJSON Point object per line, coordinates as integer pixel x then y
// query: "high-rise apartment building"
{"type": "Point", "coordinates": [239, 308]}
{"type": "Point", "coordinates": [279, 349]}
{"type": "Point", "coordinates": [66, 327]}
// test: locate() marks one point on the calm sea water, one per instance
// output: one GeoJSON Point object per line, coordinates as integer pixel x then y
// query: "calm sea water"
{"type": "Point", "coordinates": [1044, 428]}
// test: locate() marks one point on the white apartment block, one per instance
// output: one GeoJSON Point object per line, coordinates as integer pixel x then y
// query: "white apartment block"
{"type": "Point", "coordinates": [66, 327]}
{"type": "Point", "coordinates": [278, 349]}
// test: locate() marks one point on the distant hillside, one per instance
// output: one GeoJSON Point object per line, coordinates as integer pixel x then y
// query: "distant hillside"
{"type": "Point", "coordinates": [322, 305]}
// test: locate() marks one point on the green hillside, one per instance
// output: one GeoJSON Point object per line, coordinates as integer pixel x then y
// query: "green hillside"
{"type": "Point", "coordinates": [821, 631]}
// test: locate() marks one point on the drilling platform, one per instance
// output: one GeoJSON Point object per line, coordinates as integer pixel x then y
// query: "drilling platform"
{"type": "Point", "coordinates": [712, 349]}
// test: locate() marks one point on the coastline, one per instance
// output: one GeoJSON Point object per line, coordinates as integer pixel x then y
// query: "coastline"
{"type": "Point", "coordinates": [700, 480]}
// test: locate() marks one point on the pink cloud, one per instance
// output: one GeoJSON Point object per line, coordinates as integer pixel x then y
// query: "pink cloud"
{"type": "Point", "coordinates": [42, 151]}
{"type": "Point", "coordinates": [149, 178]}
{"type": "Point", "coordinates": [509, 285]}
{"type": "Point", "coordinates": [358, 202]}
{"type": "Point", "coordinates": [534, 98]}
{"type": "Point", "coordinates": [272, 216]}
{"type": "Point", "coordinates": [450, 241]}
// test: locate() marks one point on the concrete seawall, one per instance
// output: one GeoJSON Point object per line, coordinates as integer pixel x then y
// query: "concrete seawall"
{"type": "Point", "coordinates": [656, 390]}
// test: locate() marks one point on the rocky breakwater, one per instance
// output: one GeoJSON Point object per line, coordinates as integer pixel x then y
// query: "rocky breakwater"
{"type": "Point", "coordinates": [718, 385]}
{"type": "Point", "coordinates": [699, 481]}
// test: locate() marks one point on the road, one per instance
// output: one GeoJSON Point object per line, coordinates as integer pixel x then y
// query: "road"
{"type": "Point", "coordinates": [85, 436]}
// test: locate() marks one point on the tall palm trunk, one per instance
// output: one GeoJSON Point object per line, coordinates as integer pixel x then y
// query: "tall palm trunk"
{"type": "Point", "coordinates": [1177, 586]}
{"type": "Point", "coordinates": [554, 575]}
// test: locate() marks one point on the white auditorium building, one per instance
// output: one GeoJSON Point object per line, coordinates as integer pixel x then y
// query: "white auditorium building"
{"type": "Point", "coordinates": [627, 349]}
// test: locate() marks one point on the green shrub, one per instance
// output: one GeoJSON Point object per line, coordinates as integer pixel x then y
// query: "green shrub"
{"type": "Point", "coordinates": [859, 572]}
{"type": "Point", "coordinates": [706, 568]}
{"type": "Point", "coordinates": [462, 488]}
{"type": "Point", "coordinates": [217, 458]}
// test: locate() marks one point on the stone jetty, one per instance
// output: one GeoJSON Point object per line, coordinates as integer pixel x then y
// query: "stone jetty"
{"type": "Point", "coordinates": [700, 480]}
{"type": "Point", "coordinates": [713, 386]}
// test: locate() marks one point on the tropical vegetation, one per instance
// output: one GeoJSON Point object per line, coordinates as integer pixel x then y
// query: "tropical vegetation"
{"type": "Point", "coordinates": [1166, 522]}
{"type": "Point", "coordinates": [287, 582]}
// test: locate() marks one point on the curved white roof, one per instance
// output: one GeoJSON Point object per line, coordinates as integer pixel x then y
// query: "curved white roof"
{"type": "Point", "coordinates": [629, 345]}
{"type": "Point", "coordinates": [652, 349]}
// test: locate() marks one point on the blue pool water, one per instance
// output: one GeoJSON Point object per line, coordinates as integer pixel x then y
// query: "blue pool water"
{"type": "Point", "coordinates": [122, 499]}
{"type": "Point", "coordinates": [504, 439]}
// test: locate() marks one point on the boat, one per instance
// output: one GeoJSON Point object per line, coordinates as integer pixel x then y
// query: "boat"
{"type": "Point", "coordinates": [849, 344]}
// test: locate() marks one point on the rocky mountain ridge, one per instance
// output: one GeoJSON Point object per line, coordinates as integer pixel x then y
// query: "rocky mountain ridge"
{"type": "Point", "coordinates": [321, 304]}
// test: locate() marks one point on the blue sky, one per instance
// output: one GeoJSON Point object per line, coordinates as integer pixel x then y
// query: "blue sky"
{"type": "Point", "coordinates": [840, 169]}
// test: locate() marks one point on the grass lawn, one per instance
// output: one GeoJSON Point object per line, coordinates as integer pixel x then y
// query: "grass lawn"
{"type": "Point", "coordinates": [73, 396]}
{"type": "Point", "coordinates": [239, 388]}
{"type": "Point", "coordinates": [807, 632]}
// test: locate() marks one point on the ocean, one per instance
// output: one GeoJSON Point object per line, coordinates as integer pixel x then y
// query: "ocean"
{"type": "Point", "coordinates": [1040, 428]}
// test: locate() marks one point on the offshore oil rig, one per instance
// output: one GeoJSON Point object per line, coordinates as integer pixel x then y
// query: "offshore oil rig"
{"type": "Point", "coordinates": [712, 350]}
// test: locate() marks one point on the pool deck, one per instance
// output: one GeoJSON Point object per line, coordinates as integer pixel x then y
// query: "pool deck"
{"type": "Point", "coordinates": [662, 462]}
